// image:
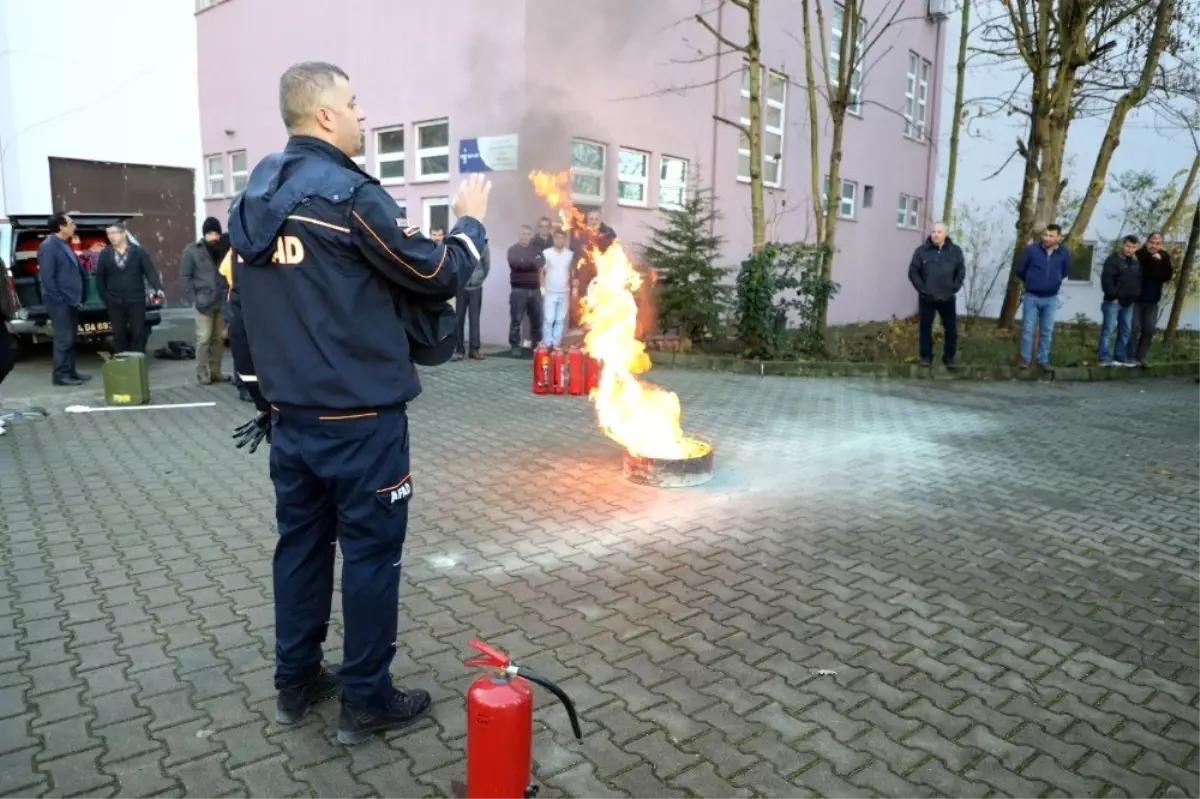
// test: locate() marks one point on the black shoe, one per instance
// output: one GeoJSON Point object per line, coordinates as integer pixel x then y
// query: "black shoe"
{"type": "Point", "coordinates": [68, 381]}
{"type": "Point", "coordinates": [925, 362]}
{"type": "Point", "coordinates": [296, 700]}
{"type": "Point", "coordinates": [81, 377]}
{"type": "Point", "coordinates": [357, 724]}
{"type": "Point", "coordinates": [950, 364]}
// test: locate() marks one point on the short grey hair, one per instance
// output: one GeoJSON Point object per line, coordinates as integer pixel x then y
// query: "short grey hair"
{"type": "Point", "coordinates": [301, 86]}
{"type": "Point", "coordinates": [941, 224]}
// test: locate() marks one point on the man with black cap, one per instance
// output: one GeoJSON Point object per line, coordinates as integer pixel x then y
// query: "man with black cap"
{"type": "Point", "coordinates": [335, 300]}
{"type": "Point", "coordinates": [206, 289]}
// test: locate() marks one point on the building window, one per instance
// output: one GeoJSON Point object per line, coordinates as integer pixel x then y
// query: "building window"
{"type": "Point", "coordinates": [238, 170]}
{"type": "Point", "coordinates": [835, 58]}
{"type": "Point", "coordinates": [214, 172]}
{"type": "Point", "coordinates": [402, 214]}
{"type": "Point", "coordinates": [908, 212]}
{"type": "Point", "coordinates": [849, 197]}
{"type": "Point", "coordinates": [361, 161]}
{"type": "Point", "coordinates": [672, 181]}
{"type": "Point", "coordinates": [1080, 268]}
{"type": "Point", "coordinates": [389, 155]}
{"type": "Point", "coordinates": [433, 150]}
{"type": "Point", "coordinates": [916, 98]}
{"type": "Point", "coordinates": [436, 212]}
{"type": "Point", "coordinates": [868, 198]}
{"type": "Point", "coordinates": [774, 119]}
{"type": "Point", "coordinates": [633, 175]}
{"type": "Point", "coordinates": [773, 124]}
{"type": "Point", "coordinates": [587, 171]}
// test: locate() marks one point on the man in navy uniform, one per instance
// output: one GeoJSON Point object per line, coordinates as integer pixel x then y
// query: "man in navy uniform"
{"type": "Point", "coordinates": [334, 297]}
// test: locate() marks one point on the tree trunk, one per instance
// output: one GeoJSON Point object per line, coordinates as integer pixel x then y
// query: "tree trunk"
{"type": "Point", "coordinates": [1184, 195]}
{"type": "Point", "coordinates": [814, 124]}
{"type": "Point", "coordinates": [754, 62]}
{"type": "Point", "coordinates": [1025, 217]}
{"type": "Point", "coordinates": [1185, 272]}
{"type": "Point", "coordinates": [1112, 135]}
{"type": "Point", "coordinates": [956, 123]}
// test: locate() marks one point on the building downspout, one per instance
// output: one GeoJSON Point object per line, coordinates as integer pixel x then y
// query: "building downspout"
{"type": "Point", "coordinates": [712, 161]}
{"type": "Point", "coordinates": [936, 114]}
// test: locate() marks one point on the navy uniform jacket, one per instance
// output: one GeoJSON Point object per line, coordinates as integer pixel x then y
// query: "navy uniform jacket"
{"type": "Point", "coordinates": [333, 299]}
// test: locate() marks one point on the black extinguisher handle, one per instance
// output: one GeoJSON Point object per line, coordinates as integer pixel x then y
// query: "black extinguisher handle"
{"type": "Point", "coordinates": [562, 697]}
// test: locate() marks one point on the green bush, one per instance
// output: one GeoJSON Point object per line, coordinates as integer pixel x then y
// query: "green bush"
{"type": "Point", "coordinates": [779, 282]}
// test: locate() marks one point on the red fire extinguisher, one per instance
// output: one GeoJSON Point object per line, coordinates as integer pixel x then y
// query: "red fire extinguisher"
{"type": "Point", "coordinates": [542, 376]}
{"type": "Point", "coordinates": [578, 378]}
{"type": "Point", "coordinates": [559, 365]}
{"type": "Point", "coordinates": [500, 726]}
{"type": "Point", "coordinates": [593, 374]}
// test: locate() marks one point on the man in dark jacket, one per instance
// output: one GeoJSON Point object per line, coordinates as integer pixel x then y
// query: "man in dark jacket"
{"type": "Point", "coordinates": [335, 301]}
{"type": "Point", "coordinates": [937, 272]}
{"type": "Point", "coordinates": [468, 305]}
{"type": "Point", "coordinates": [204, 287]}
{"type": "Point", "coordinates": [525, 295]}
{"type": "Point", "coordinates": [123, 271]}
{"type": "Point", "coordinates": [544, 238]}
{"type": "Point", "coordinates": [1042, 267]}
{"type": "Point", "coordinates": [1156, 271]}
{"type": "Point", "coordinates": [594, 234]}
{"type": "Point", "coordinates": [1121, 282]}
{"type": "Point", "coordinates": [62, 291]}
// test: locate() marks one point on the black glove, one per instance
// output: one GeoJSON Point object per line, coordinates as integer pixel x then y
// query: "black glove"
{"type": "Point", "coordinates": [254, 431]}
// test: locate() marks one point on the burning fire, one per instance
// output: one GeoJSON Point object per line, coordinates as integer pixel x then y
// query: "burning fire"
{"type": "Point", "coordinates": [641, 417]}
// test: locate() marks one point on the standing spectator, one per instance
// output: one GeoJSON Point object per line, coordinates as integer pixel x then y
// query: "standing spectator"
{"type": "Point", "coordinates": [122, 273]}
{"type": "Point", "coordinates": [556, 287]}
{"type": "Point", "coordinates": [937, 272]}
{"type": "Point", "coordinates": [205, 288]}
{"type": "Point", "coordinates": [1043, 267]}
{"type": "Point", "coordinates": [544, 239]}
{"type": "Point", "coordinates": [525, 297]}
{"type": "Point", "coordinates": [468, 306]}
{"type": "Point", "coordinates": [437, 233]}
{"type": "Point", "coordinates": [1155, 263]}
{"type": "Point", "coordinates": [1122, 285]}
{"type": "Point", "coordinates": [594, 234]}
{"type": "Point", "coordinates": [62, 291]}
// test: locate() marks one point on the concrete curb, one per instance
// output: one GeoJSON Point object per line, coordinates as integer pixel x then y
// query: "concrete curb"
{"type": "Point", "coordinates": [734, 365]}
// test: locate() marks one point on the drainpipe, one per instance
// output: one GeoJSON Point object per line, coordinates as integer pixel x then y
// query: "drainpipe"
{"type": "Point", "coordinates": [712, 161]}
{"type": "Point", "coordinates": [936, 115]}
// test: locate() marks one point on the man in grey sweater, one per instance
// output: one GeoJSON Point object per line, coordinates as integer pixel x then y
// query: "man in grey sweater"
{"type": "Point", "coordinates": [468, 304]}
{"type": "Point", "coordinates": [205, 288]}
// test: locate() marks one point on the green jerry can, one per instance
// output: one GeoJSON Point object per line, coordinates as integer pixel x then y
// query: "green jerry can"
{"type": "Point", "coordinates": [126, 379]}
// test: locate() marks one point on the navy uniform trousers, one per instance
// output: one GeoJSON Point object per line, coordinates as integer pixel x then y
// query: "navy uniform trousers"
{"type": "Point", "coordinates": [339, 477]}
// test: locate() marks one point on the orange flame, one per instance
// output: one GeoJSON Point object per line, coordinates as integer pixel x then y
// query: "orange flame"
{"type": "Point", "coordinates": [641, 417]}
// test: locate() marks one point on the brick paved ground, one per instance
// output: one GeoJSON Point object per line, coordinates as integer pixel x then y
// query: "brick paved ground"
{"type": "Point", "coordinates": [1003, 578]}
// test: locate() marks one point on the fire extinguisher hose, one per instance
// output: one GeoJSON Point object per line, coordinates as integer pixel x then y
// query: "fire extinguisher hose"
{"type": "Point", "coordinates": [537, 679]}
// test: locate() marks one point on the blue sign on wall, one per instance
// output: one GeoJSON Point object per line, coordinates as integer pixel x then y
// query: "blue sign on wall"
{"type": "Point", "coordinates": [488, 154]}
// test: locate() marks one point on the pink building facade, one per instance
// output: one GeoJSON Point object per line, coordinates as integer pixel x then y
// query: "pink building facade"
{"type": "Point", "coordinates": [624, 93]}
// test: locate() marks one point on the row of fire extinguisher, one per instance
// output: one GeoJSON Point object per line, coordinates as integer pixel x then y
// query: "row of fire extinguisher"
{"type": "Point", "coordinates": [571, 371]}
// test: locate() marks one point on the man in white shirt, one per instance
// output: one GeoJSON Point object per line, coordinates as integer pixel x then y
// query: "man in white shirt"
{"type": "Point", "coordinates": [556, 287]}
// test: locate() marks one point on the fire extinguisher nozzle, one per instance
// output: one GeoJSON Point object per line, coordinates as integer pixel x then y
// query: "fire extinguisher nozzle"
{"type": "Point", "coordinates": [562, 697]}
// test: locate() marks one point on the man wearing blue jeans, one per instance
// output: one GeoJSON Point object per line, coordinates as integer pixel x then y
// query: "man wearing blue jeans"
{"type": "Point", "coordinates": [1121, 282]}
{"type": "Point", "coordinates": [1042, 267]}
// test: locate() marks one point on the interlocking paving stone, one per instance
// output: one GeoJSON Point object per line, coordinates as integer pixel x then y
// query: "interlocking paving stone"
{"type": "Point", "coordinates": [1002, 579]}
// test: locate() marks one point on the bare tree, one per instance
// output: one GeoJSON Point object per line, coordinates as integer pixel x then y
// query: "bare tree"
{"type": "Point", "coordinates": [983, 242]}
{"type": "Point", "coordinates": [1184, 280]}
{"type": "Point", "coordinates": [1069, 50]}
{"type": "Point", "coordinates": [960, 71]}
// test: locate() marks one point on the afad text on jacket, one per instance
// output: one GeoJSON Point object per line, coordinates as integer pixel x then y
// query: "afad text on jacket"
{"type": "Point", "coordinates": [334, 295]}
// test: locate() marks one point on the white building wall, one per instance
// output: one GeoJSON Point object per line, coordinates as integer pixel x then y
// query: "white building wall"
{"type": "Point", "coordinates": [101, 80]}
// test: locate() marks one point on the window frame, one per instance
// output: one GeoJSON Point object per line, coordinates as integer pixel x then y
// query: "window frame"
{"type": "Point", "coordinates": [400, 156]}
{"type": "Point", "coordinates": [835, 56]}
{"type": "Point", "coordinates": [429, 203]}
{"type": "Point", "coordinates": [681, 185]}
{"type": "Point", "coordinates": [234, 174]}
{"type": "Point", "coordinates": [209, 177]}
{"type": "Point", "coordinates": [1089, 246]}
{"type": "Point", "coordinates": [852, 217]}
{"type": "Point", "coordinates": [644, 181]}
{"type": "Point", "coordinates": [431, 152]}
{"type": "Point", "coordinates": [916, 97]}
{"type": "Point", "coordinates": [779, 131]}
{"type": "Point", "coordinates": [589, 171]}
{"type": "Point", "coordinates": [913, 206]}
